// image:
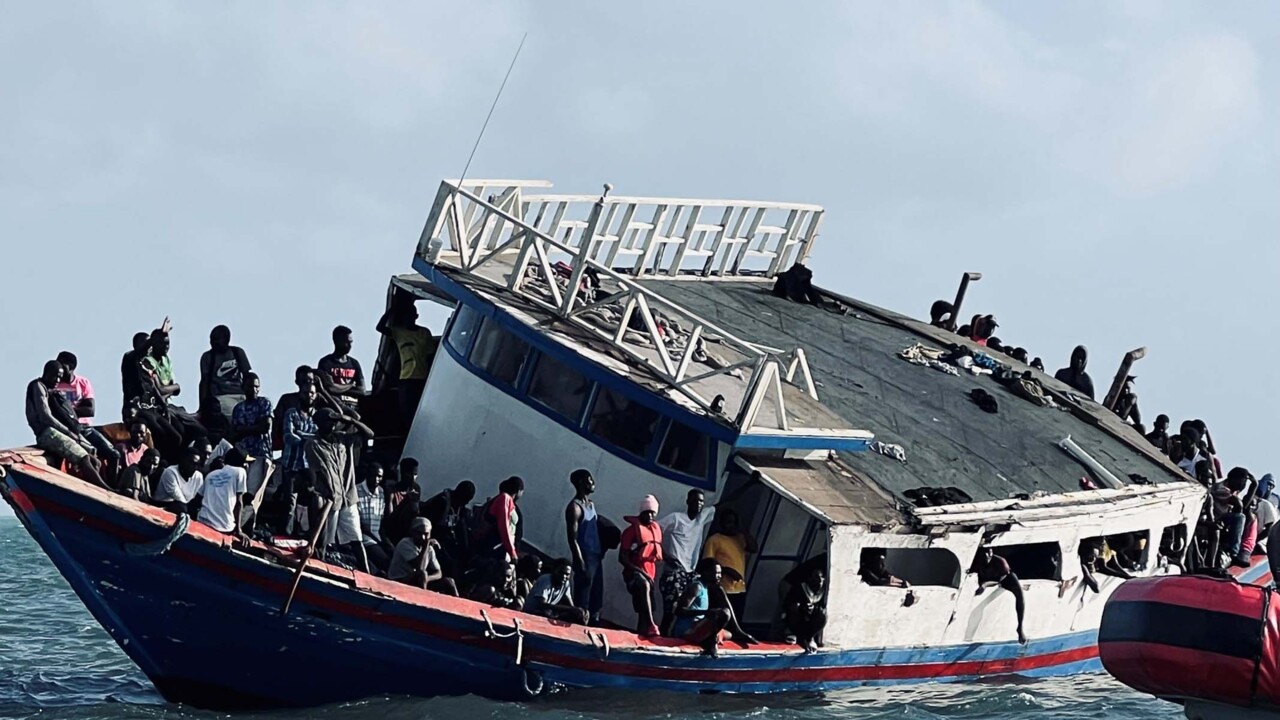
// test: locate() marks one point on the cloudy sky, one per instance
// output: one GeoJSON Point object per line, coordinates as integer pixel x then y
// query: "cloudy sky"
{"type": "Point", "coordinates": [1110, 167]}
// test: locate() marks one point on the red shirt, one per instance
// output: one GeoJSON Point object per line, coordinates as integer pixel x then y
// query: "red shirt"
{"type": "Point", "coordinates": [642, 545]}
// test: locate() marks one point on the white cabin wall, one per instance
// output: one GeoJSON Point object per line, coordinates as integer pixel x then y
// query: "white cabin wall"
{"type": "Point", "coordinates": [467, 429]}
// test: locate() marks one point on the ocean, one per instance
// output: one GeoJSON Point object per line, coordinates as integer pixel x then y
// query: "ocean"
{"type": "Point", "coordinates": [55, 662]}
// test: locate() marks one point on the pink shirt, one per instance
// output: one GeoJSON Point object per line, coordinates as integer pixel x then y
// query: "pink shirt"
{"type": "Point", "coordinates": [78, 389]}
{"type": "Point", "coordinates": [130, 456]}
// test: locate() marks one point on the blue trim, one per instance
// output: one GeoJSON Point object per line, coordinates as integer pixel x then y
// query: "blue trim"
{"type": "Point", "coordinates": [801, 442]}
{"type": "Point", "coordinates": [589, 369]}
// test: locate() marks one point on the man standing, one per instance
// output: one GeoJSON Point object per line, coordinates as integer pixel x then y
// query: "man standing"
{"type": "Point", "coordinates": [331, 465]}
{"type": "Point", "coordinates": [682, 533]}
{"type": "Point", "coordinates": [303, 378]}
{"type": "Point", "coordinates": [640, 552]}
{"type": "Point", "coordinates": [299, 428]}
{"type": "Point", "coordinates": [225, 489]}
{"type": "Point", "coordinates": [582, 529]}
{"type": "Point", "coordinates": [1074, 375]}
{"type": "Point", "coordinates": [339, 373]}
{"type": "Point", "coordinates": [729, 545]}
{"type": "Point", "coordinates": [223, 368]}
{"type": "Point", "coordinates": [79, 393]}
{"type": "Point", "coordinates": [416, 346]}
{"type": "Point", "coordinates": [371, 502]}
{"type": "Point", "coordinates": [60, 437]}
{"type": "Point", "coordinates": [251, 433]}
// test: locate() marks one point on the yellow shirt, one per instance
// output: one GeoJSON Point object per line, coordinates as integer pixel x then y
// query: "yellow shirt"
{"type": "Point", "coordinates": [731, 552]}
{"type": "Point", "coordinates": [417, 348]}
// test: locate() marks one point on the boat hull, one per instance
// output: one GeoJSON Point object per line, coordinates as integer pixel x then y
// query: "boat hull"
{"type": "Point", "coordinates": [203, 621]}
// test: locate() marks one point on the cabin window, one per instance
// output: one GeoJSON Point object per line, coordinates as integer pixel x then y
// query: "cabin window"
{"type": "Point", "coordinates": [685, 450]}
{"type": "Point", "coordinates": [499, 353]}
{"type": "Point", "coordinates": [623, 422]}
{"type": "Point", "coordinates": [1173, 542]}
{"type": "Point", "coordinates": [464, 326]}
{"type": "Point", "coordinates": [1128, 551]}
{"type": "Point", "coordinates": [918, 566]}
{"type": "Point", "coordinates": [1033, 561]}
{"type": "Point", "coordinates": [559, 388]}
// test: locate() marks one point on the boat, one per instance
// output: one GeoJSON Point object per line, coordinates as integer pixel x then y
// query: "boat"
{"type": "Point", "coordinates": [640, 338]}
{"type": "Point", "coordinates": [1211, 644]}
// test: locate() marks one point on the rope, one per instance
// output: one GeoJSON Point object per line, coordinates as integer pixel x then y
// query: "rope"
{"type": "Point", "coordinates": [517, 633]}
{"type": "Point", "coordinates": [602, 648]}
{"type": "Point", "coordinates": [155, 548]}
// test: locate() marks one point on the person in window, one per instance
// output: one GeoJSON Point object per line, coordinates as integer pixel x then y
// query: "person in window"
{"type": "Point", "coordinates": [874, 570]}
{"type": "Point", "coordinates": [416, 347]}
{"type": "Point", "coordinates": [414, 561]}
{"type": "Point", "coordinates": [180, 485]}
{"type": "Point", "coordinates": [79, 393]}
{"type": "Point", "coordinates": [805, 611]}
{"type": "Point", "coordinates": [340, 374]}
{"type": "Point", "coordinates": [552, 595]}
{"type": "Point", "coordinates": [135, 480]}
{"type": "Point", "coordinates": [59, 436]}
{"type": "Point", "coordinates": [582, 528]}
{"type": "Point", "coordinates": [1074, 374]}
{"type": "Point", "coordinates": [1097, 558]}
{"type": "Point", "coordinates": [640, 553]}
{"type": "Point", "coordinates": [729, 545]}
{"type": "Point", "coordinates": [992, 569]}
{"type": "Point", "coordinates": [222, 375]}
{"type": "Point", "coordinates": [682, 534]}
{"type": "Point", "coordinates": [699, 620]}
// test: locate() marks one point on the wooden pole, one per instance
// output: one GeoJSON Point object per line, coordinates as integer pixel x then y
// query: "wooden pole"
{"type": "Point", "coordinates": [1122, 374]}
{"type": "Point", "coordinates": [306, 555]}
{"type": "Point", "coordinates": [960, 293]}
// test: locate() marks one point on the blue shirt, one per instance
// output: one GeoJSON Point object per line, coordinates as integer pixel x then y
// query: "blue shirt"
{"type": "Point", "coordinates": [685, 623]}
{"type": "Point", "coordinates": [299, 427]}
{"type": "Point", "coordinates": [248, 413]}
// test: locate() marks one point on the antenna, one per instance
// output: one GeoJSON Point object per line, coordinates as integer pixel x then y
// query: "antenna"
{"type": "Point", "coordinates": [491, 109]}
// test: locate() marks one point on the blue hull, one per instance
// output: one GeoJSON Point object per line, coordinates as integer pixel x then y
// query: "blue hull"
{"type": "Point", "coordinates": [203, 622]}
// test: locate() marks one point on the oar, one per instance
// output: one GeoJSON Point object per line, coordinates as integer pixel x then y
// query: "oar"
{"type": "Point", "coordinates": [306, 555]}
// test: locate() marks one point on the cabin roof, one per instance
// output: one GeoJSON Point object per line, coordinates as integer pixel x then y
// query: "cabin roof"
{"type": "Point", "coordinates": [949, 441]}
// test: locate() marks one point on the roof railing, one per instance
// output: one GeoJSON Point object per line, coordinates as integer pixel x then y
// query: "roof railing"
{"type": "Point", "coordinates": [531, 248]}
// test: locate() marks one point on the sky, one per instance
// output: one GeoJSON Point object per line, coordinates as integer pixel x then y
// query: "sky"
{"type": "Point", "coordinates": [1110, 167]}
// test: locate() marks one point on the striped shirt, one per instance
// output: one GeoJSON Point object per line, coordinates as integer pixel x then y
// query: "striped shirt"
{"type": "Point", "coordinates": [299, 427]}
{"type": "Point", "coordinates": [371, 506]}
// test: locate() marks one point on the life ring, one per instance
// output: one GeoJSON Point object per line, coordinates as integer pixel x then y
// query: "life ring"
{"type": "Point", "coordinates": [532, 683]}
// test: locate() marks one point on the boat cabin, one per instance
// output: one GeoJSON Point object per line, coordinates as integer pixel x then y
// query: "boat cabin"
{"type": "Point", "coordinates": [639, 338]}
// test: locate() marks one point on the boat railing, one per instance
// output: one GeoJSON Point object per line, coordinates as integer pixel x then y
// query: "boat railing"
{"type": "Point", "coordinates": [547, 260]}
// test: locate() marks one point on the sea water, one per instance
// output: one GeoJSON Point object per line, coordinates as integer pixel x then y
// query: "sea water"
{"type": "Point", "coordinates": [56, 662]}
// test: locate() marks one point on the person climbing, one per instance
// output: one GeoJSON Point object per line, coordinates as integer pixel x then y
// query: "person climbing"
{"type": "Point", "coordinates": [991, 570]}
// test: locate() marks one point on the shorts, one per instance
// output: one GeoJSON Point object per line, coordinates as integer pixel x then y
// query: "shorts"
{"type": "Point", "coordinates": [348, 525]}
{"type": "Point", "coordinates": [703, 630]}
{"type": "Point", "coordinates": [635, 581]}
{"type": "Point", "coordinates": [674, 581]}
{"type": "Point", "coordinates": [61, 445]}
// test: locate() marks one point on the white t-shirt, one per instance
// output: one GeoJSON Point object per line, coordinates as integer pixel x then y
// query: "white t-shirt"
{"type": "Point", "coordinates": [173, 487]}
{"type": "Point", "coordinates": [1266, 514]}
{"type": "Point", "coordinates": [221, 489]}
{"type": "Point", "coordinates": [682, 537]}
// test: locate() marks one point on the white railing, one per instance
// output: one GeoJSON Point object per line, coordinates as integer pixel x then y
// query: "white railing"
{"type": "Point", "coordinates": [648, 236]}
{"type": "Point", "coordinates": [531, 247]}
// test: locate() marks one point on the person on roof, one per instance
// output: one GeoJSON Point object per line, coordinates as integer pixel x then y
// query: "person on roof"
{"type": "Point", "coordinates": [79, 393]}
{"type": "Point", "coordinates": [414, 561]}
{"type": "Point", "coordinates": [416, 346]}
{"type": "Point", "coordinates": [582, 530]}
{"type": "Point", "coordinates": [1127, 403]}
{"type": "Point", "coordinates": [1074, 375]}
{"type": "Point", "coordinates": [503, 515]}
{"type": "Point", "coordinates": [729, 545]}
{"type": "Point", "coordinates": [1159, 435]}
{"type": "Point", "coordinates": [222, 376]}
{"type": "Point", "coordinates": [697, 616]}
{"type": "Point", "coordinates": [225, 491]}
{"type": "Point", "coordinates": [682, 534]}
{"type": "Point", "coordinates": [552, 595]}
{"type": "Point", "coordinates": [874, 570]}
{"type": "Point", "coordinates": [135, 480]}
{"type": "Point", "coordinates": [942, 315]}
{"type": "Point", "coordinates": [57, 431]}
{"type": "Point", "coordinates": [805, 609]}
{"type": "Point", "coordinates": [640, 553]}
{"type": "Point", "coordinates": [180, 485]}
{"type": "Point", "coordinates": [339, 373]}
{"type": "Point", "coordinates": [991, 570]}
